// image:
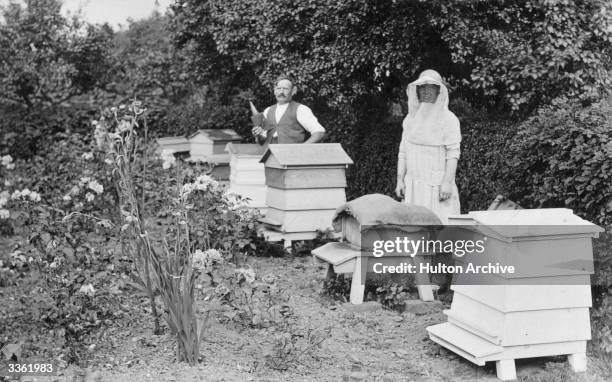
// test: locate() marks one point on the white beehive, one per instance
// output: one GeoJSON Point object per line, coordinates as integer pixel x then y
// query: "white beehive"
{"type": "Point", "coordinates": [306, 183]}
{"type": "Point", "coordinates": [540, 310]}
{"type": "Point", "coordinates": [247, 175]}
{"type": "Point", "coordinates": [208, 145]}
{"type": "Point", "coordinates": [174, 144]}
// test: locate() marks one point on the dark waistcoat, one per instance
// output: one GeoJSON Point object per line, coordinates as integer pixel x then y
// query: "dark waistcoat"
{"type": "Point", "coordinates": [288, 128]}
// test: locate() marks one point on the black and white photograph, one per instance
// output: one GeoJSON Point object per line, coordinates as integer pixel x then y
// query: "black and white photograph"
{"type": "Point", "coordinates": [313, 190]}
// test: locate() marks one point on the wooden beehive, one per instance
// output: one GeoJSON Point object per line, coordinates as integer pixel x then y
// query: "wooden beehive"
{"type": "Point", "coordinates": [208, 145]}
{"type": "Point", "coordinates": [174, 144]}
{"type": "Point", "coordinates": [247, 174]}
{"type": "Point", "coordinates": [305, 185]}
{"type": "Point", "coordinates": [207, 142]}
{"type": "Point", "coordinates": [540, 310]}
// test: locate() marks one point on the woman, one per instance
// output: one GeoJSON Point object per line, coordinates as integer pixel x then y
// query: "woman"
{"type": "Point", "coordinates": [429, 150]}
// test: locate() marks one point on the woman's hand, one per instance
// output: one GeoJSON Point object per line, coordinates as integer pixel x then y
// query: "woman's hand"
{"type": "Point", "coordinates": [400, 189]}
{"type": "Point", "coordinates": [446, 190]}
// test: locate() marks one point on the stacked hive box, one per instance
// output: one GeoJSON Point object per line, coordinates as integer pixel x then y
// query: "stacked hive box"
{"type": "Point", "coordinates": [305, 184]}
{"type": "Point", "coordinates": [540, 310]}
{"type": "Point", "coordinates": [208, 146]}
{"type": "Point", "coordinates": [247, 174]}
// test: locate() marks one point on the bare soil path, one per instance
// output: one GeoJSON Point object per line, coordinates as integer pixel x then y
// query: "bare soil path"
{"type": "Point", "coordinates": [366, 343]}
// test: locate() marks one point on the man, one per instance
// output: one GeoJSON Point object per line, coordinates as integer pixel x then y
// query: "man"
{"type": "Point", "coordinates": [288, 121]}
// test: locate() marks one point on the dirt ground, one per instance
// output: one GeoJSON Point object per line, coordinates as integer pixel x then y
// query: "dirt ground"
{"type": "Point", "coordinates": [366, 343]}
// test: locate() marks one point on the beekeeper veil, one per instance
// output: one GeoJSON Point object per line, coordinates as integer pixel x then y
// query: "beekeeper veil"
{"type": "Point", "coordinates": [430, 123]}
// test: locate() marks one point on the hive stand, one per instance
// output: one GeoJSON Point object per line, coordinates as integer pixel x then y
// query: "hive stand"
{"type": "Point", "coordinates": [346, 259]}
{"type": "Point", "coordinates": [540, 310]}
{"type": "Point", "coordinates": [286, 237]}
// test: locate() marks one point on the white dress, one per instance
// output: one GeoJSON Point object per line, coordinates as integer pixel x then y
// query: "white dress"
{"type": "Point", "coordinates": [424, 173]}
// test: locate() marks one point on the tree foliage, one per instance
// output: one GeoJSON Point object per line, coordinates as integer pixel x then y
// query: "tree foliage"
{"type": "Point", "coordinates": [507, 55]}
{"type": "Point", "coordinates": [148, 65]}
{"type": "Point", "coordinates": [45, 58]}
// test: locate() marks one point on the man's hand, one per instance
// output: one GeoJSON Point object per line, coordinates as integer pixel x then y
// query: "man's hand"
{"type": "Point", "coordinates": [257, 130]}
{"type": "Point", "coordinates": [446, 190]}
{"type": "Point", "coordinates": [400, 189]}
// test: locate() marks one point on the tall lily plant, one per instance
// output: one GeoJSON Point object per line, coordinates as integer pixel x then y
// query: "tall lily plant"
{"type": "Point", "coordinates": [116, 133]}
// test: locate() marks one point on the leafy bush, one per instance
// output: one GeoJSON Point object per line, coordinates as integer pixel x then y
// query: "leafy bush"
{"type": "Point", "coordinates": [562, 157]}
{"type": "Point", "coordinates": [480, 172]}
{"type": "Point", "coordinates": [58, 243]}
{"type": "Point", "coordinates": [25, 133]}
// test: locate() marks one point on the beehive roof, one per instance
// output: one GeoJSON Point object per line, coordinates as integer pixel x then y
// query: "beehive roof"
{"type": "Point", "coordinates": [311, 154]}
{"type": "Point", "coordinates": [245, 148]}
{"type": "Point", "coordinates": [179, 138]}
{"type": "Point", "coordinates": [527, 222]}
{"type": "Point", "coordinates": [218, 134]}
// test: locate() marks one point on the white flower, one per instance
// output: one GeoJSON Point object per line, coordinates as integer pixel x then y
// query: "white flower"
{"type": "Point", "coordinates": [84, 180]}
{"type": "Point", "coordinates": [4, 198]}
{"type": "Point", "coordinates": [124, 126]}
{"type": "Point", "coordinates": [207, 180]}
{"type": "Point", "coordinates": [87, 290]}
{"type": "Point", "coordinates": [89, 197]}
{"type": "Point", "coordinates": [67, 198]}
{"type": "Point", "coordinates": [6, 160]}
{"type": "Point", "coordinates": [4, 214]}
{"type": "Point", "coordinates": [87, 156]}
{"type": "Point", "coordinates": [131, 219]}
{"type": "Point", "coordinates": [100, 136]}
{"type": "Point", "coordinates": [35, 196]}
{"type": "Point", "coordinates": [10, 166]}
{"type": "Point", "coordinates": [168, 159]}
{"type": "Point", "coordinates": [204, 260]}
{"type": "Point", "coordinates": [248, 273]}
{"type": "Point", "coordinates": [16, 195]}
{"type": "Point", "coordinates": [96, 187]}
{"type": "Point", "coordinates": [94, 123]}
{"type": "Point", "coordinates": [25, 192]}
{"type": "Point", "coordinates": [74, 190]}
{"type": "Point", "coordinates": [234, 201]}
{"type": "Point", "coordinates": [108, 161]}
{"type": "Point", "coordinates": [186, 189]}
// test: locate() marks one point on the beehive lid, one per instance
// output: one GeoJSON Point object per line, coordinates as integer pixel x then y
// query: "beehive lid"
{"type": "Point", "coordinates": [310, 154]}
{"type": "Point", "coordinates": [244, 149]}
{"type": "Point", "coordinates": [527, 223]}
{"type": "Point", "coordinates": [217, 159]}
{"type": "Point", "coordinates": [178, 139]}
{"type": "Point", "coordinates": [218, 134]}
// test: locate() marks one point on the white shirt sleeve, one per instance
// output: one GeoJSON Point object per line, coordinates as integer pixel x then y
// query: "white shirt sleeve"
{"type": "Point", "coordinates": [307, 119]}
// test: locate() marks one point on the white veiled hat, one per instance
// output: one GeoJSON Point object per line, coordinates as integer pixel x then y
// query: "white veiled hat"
{"type": "Point", "coordinates": [430, 124]}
